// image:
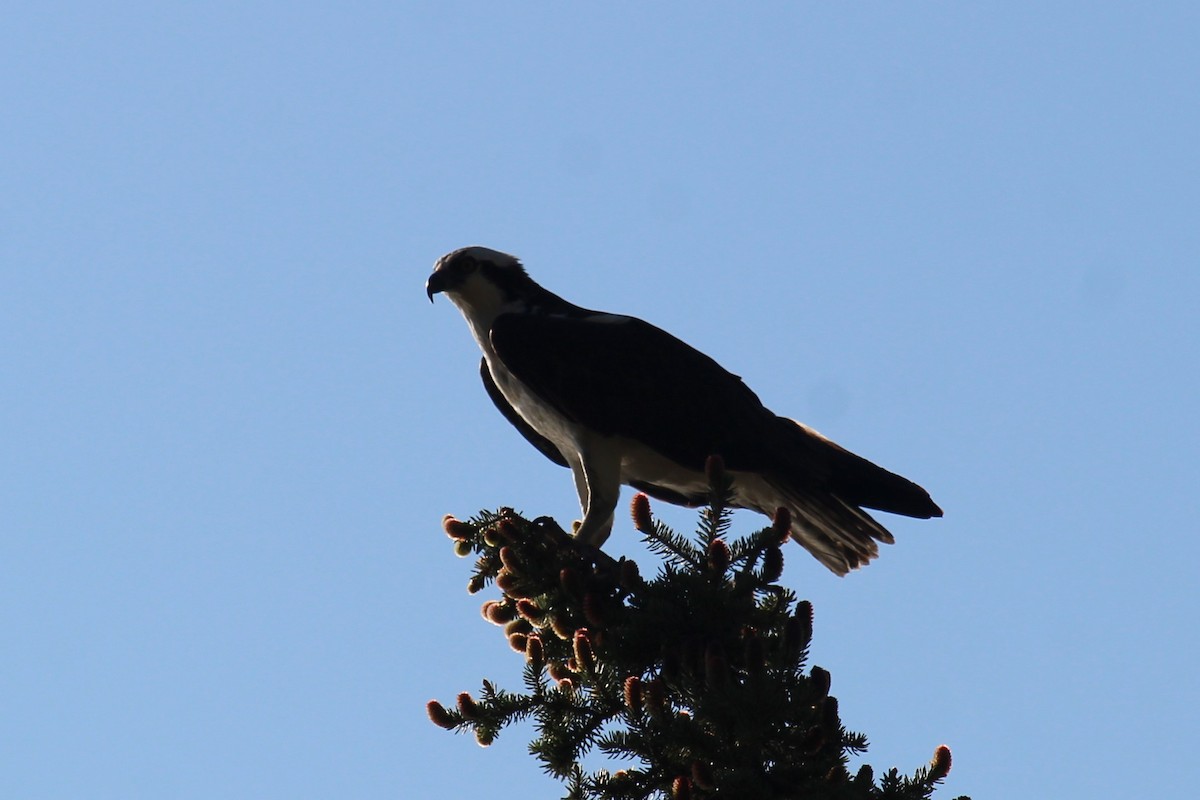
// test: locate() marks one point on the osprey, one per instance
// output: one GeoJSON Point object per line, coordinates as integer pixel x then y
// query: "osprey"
{"type": "Point", "coordinates": [618, 400]}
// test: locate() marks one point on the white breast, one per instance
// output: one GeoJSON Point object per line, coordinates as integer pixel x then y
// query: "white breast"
{"type": "Point", "coordinates": [540, 415]}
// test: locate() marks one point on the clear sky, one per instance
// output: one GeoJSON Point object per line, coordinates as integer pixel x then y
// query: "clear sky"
{"type": "Point", "coordinates": [959, 238]}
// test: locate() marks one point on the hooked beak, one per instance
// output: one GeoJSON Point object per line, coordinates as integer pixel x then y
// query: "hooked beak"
{"type": "Point", "coordinates": [437, 283]}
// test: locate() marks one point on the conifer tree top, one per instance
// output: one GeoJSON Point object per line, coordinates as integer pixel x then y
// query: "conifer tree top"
{"type": "Point", "coordinates": [694, 681]}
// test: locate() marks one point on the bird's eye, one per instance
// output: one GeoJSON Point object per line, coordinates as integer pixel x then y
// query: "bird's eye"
{"type": "Point", "coordinates": [466, 265]}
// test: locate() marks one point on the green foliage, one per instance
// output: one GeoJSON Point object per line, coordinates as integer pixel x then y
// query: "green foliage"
{"type": "Point", "coordinates": [696, 681]}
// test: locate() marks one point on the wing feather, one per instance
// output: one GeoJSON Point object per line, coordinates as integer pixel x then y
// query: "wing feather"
{"type": "Point", "coordinates": [621, 376]}
{"type": "Point", "coordinates": [850, 477]}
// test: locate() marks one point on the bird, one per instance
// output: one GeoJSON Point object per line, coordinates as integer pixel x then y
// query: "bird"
{"type": "Point", "coordinates": [621, 402]}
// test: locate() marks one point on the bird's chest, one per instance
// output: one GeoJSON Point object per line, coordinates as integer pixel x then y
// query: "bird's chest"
{"type": "Point", "coordinates": [543, 417]}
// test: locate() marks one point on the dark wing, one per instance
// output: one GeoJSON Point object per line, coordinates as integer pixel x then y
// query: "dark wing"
{"type": "Point", "coordinates": [850, 477]}
{"type": "Point", "coordinates": [622, 376]}
{"type": "Point", "coordinates": [536, 439]}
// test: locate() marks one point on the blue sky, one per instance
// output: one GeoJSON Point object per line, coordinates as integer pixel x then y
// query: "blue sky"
{"type": "Point", "coordinates": [960, 239]}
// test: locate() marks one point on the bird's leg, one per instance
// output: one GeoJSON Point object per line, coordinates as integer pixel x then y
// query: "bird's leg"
{"type": "Point", "coordinates": [598, 480]}
{"type": "Point", "coordinates": [581, 487]}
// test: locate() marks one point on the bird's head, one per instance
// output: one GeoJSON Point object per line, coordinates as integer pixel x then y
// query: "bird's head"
{"type": "Point", "coordinates": [479, 280]}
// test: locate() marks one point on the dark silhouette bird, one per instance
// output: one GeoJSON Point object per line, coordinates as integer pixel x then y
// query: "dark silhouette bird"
{"type": "Point", "coordinates": [618, 400]}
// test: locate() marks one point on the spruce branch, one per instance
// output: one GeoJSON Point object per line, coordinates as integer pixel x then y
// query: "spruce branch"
{"type": "Point", "coordinates": [693, 683]}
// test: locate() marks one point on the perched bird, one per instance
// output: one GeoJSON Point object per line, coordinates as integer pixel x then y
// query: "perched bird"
{"type": "Point", "coordinates": [618, 400]}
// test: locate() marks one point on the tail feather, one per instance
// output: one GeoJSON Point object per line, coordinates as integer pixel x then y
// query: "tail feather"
{"type": "Point", "coordinates": [837, 534]}
{"type": "Point", "coordinates": [826, 488]}
{"type": "Point", "coordinates": [814, 460]}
